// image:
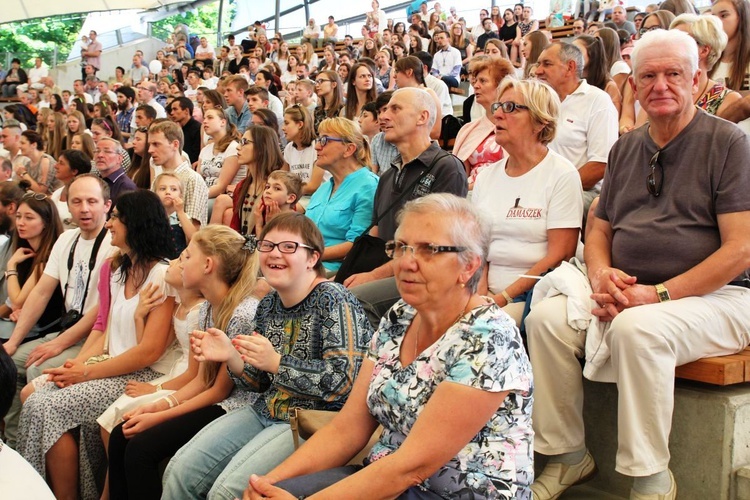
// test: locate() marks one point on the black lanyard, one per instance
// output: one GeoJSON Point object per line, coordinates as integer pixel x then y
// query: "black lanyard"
{"type": "Point", "coordinates": [92, 263]}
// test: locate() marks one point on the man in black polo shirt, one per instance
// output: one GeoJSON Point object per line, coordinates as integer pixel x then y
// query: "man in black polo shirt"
{"type": "Point", "coordinates": [406, 123]}
{"type": "Point", "coordinates": [181, 112]}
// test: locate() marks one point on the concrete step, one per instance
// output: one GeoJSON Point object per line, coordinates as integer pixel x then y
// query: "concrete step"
{"type": "Point", "coordinates": [709, 443]}
{"type": "Point", "coordinates": [743, 483]}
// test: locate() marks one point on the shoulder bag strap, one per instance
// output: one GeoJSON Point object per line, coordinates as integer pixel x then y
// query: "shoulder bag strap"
{"type": "Point", "coordinates": [406, 191]}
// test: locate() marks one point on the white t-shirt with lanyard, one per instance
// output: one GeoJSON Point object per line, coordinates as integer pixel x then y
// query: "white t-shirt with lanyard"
{"type": "Point", "coordinates": [74, 281]}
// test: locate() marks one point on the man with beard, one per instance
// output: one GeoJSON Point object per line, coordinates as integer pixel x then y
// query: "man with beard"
{"type": "Point", "coordinates": [125, 99]}
{"type": "Point", "coordinates": [10, 198]}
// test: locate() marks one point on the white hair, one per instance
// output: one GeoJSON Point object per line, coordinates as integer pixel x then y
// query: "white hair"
{"type": "Point", "coordinates": [467, 225]}
{"type": "Point", "coordinates": [682, 44]}
{"type": "Point", "coordinates": [423, 101]}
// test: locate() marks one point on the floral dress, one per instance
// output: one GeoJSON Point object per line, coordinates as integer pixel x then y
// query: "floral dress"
{"type": "Point", "coordinates": [482, 350]}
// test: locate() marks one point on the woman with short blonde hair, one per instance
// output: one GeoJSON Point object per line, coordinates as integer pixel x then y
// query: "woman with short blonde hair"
{"type": "Point", "coordinates": [533, 196]}
{"type": "Point", "coordinates": [342, 207]}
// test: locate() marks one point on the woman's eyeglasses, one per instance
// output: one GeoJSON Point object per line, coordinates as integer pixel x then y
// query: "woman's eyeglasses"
{"type": "Point", "coordinates": [507, 106]}
{"type": "Point", "coordinates": [324, 139]}
{"type": "Point", "coordinates": [655, 179]}
{"type": "Point", "coordinates": [267, 246]}
{"type": "Point", "coordinates": [395, 249]}
{"type": "Point", "coordinates": [245, 142]}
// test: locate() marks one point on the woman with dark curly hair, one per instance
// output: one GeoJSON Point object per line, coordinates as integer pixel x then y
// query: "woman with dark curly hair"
{"type": "Point", "coordinates": [135, 312]}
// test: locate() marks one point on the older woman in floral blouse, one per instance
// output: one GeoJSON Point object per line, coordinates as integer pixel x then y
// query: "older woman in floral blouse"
{"type": "Point", "coordinates": [446, 376]}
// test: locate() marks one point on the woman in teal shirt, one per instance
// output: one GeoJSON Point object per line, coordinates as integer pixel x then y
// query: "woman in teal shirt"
{"type": "Point", "coordinates": [342, 206]}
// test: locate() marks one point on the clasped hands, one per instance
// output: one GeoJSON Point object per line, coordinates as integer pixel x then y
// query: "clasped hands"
{"type": "Point", "coordinates": [615, 291]}
{"type": "Point", "coordinates": [254, 349]}
{"type": "Point", "coordinates": [73, 371]}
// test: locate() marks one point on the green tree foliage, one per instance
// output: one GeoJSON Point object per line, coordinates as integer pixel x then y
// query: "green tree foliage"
{"type": "Point", "coordinates": [202, 21]}
{"type": "Point", "coordinates": [26, 40]}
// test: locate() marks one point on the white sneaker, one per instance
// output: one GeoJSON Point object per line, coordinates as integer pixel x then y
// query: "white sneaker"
{"type": "Point", "coordinates": [558, 477]}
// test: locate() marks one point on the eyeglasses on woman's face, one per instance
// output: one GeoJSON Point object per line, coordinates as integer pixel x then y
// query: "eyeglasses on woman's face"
{"type": "Point", "coordinates": [324, 139]}
{"type": "Point", "coordinates": [645, 30]}
{"type": "Point", "coordinates": [395, 249]}
{"type": "Point", "coordinates": [507, 107]}
{"type": "Point", "coordinates": [267, 246]}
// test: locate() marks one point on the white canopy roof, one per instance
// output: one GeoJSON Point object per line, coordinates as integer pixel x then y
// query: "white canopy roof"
{"type": "Point", "coordinates": [23, 10]}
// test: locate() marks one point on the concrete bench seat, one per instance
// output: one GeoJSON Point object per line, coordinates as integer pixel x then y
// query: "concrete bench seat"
{"type": "Point", "coordinates": [709, 443]}
{"type": "Point", "coordinates": [710, 439]}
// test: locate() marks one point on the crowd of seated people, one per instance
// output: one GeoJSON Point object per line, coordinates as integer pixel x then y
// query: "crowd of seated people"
{"type": "Point", "coordinates": [186, 261]}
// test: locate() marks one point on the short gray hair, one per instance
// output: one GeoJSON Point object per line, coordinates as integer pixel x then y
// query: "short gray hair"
{"type": "Point", "coordinates": [707, 30]}
{"type": "Point", "coordinates": [686, 47]}
{"type": "Point", "coordinates": [15, 125]}
{"type": "Point", "coordinates": [468, 227]}
{"type": "Point", "coordinates": [423, 101]}
{"type": "Point", "coordinates": [118, 146]}
{"type": "Point", "coordinates": [569, 52]}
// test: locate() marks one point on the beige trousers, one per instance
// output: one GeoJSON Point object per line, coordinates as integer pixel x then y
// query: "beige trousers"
{"type": "Point", "coordinates": [647, 343]}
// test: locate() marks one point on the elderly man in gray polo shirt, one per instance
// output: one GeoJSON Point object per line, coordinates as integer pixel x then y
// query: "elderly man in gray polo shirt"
{"type": "Point", "coordinates": [667, 263]}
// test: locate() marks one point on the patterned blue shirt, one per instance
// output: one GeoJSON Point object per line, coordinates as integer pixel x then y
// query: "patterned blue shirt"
{"type": "Point", "coordinates": [123, 119]}
{"type": "Point", "coordinates": [322, 341]}
{"type": "Point", "coordinates": [383, 152]}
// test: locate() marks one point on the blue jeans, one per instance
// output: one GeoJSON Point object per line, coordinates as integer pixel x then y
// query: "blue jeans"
{"type": "Point", "coordinates": [218, 461]}
{"type": "Point", "coordinates": [450, 81]}
{"type": "Point", "coordinates": [313, 483]}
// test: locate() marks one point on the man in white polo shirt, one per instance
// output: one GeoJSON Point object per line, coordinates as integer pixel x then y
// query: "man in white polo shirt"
{"type": "Point", "coordinates": [587, 126]}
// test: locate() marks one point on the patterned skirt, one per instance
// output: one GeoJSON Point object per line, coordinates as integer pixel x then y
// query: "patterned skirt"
{"type": "Point", "coordinates": [50, 412]}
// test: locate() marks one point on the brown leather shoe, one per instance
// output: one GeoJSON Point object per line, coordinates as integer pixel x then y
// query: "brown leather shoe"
{"type": "Point", "coordinates": [558, 477]}
{"type": "Point", "coordinates": [670, 495]}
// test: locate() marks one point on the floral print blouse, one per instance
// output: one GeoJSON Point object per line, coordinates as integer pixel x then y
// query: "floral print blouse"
{"type": "Point", "coordinates": [482, 350]}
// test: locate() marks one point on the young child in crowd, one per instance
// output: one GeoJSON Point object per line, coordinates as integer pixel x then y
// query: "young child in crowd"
{"type": "Point", "coordinates": [283, 189]}
{"type": "Point", "coordinates": [169, 188]}
{"type": "Point", "coordinates": [368, 120]}
{"type": "Point", "coordinates": [182, 371]}
{"type": "Point", "coordinates": [290, 98]}
{"type": "Point", "coordinates": [257, 98]}
{"type": "Point", "coordinates": [221, 266]}
{"type": "Point", "coordinates": [300, 152]}
{"type": "Point", "coordinates": [304, 93]}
